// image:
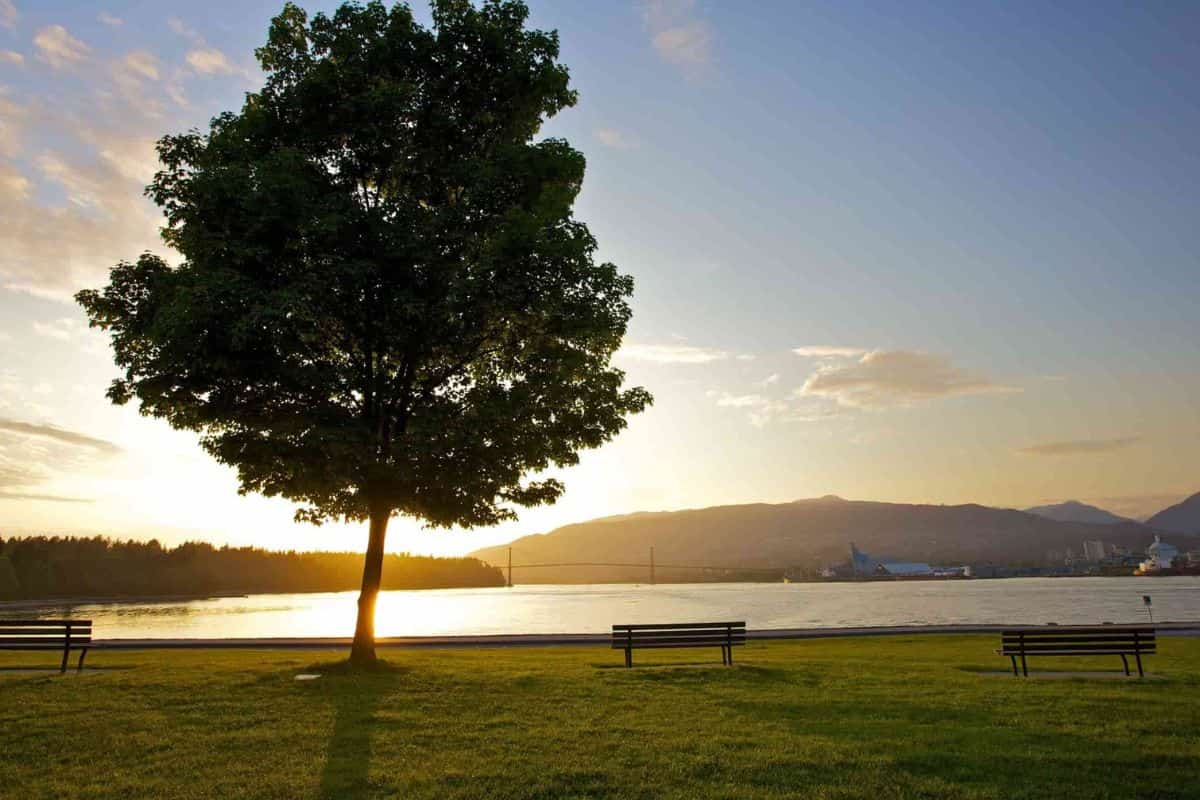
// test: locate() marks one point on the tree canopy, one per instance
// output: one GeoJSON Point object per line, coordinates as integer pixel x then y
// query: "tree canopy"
{"type": "Point", "coordinates": [384, 298]}
{"type": "Point", "coordinates": [384, 304]}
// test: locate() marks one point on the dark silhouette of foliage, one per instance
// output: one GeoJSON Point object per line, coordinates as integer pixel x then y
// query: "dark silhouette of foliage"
{"type": "Point", "coordinates": [41, 567]}
{"type": "Point", "coordinates": [384, 305]}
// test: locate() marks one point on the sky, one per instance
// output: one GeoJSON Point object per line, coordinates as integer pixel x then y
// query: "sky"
{"type": "Point", "coordinates": [919, 252]}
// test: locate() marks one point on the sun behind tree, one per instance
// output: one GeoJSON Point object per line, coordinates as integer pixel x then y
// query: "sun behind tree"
{"type": "Point", "coordinates": [384, 305]}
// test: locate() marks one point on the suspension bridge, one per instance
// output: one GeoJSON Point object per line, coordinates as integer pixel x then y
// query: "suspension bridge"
{"type": "Point", "coordinates": [650, 567]}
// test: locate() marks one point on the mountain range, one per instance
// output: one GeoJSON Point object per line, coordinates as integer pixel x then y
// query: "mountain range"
{"type": "Point", "coordinates": [1180, 518]}
{"type": "Point", "coordinates": [809, 533]}
{"type": "Point", "coordinates": [1075, 511]}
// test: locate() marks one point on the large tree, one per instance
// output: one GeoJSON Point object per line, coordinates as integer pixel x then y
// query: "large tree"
{"type": "Point", "coordinates": [384, 305]}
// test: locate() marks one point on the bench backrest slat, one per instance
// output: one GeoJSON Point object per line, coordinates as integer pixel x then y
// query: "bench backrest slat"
{"type": "Point", "coordinates": [678, 634]}
{"type": "Point", "coordinates": [34, 633]}
{"type": "Point", "coordinates": [1095, 639]}
{"type": "Point", "coordinates": [666, 626]}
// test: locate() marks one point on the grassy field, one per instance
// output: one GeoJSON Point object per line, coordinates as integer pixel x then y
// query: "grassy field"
{"type": "Point", "coordinates": [878, 718]}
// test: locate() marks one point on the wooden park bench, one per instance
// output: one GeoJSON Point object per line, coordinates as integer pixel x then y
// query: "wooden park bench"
{"type": "Point", "coordinates": [1091, 640]}
{"type": "Point", "coordinates": [725, 635]}
{"type": "Point", "coordinates": [48, 634]}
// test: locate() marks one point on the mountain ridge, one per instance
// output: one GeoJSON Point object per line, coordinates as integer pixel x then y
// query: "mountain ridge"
{"type": "Point", "coordinates": [1075, 511]}
{"type": "Point", "coordinates": [806, 534]}
{"type": "Point", "coordinates": [1183, 517]}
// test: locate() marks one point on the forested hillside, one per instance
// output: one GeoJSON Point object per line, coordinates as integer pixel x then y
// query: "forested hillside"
{"type": "Point", "coordinates": [45, 567]}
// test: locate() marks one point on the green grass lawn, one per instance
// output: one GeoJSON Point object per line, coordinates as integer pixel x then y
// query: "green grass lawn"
{"type": "Point", "coordinates": [875, 718]}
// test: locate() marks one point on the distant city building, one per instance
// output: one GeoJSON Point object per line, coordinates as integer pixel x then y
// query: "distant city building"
{"type": "Point", "coordinates": [860, 562]}
{"type": "Point", "coordinates": [863, 565]}
{"type": "Point", "coordinates": [903, 569]}
{"type": "Point", "coordinates": [1159, 555]}
{"type": "Point", "coordinates": [1094, 550]}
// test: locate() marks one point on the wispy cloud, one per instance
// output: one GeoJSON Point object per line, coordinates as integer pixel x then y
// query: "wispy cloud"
{"type": "Point", "coordinates": [759, 408]}
{"type": "Point", "coordinates": [828, 351]}
{"type": "Point", "coordinates": [63, 329]}
{"type": "Point", "coordinates": [8, 14]}
{"type": "Point", "coordinates": [181, 28]}
{"type": "Point", "coordinates": [763, 409]}
{"type": "Point", "coordinates": [11, 57]}
{"type": "Point", "coordinates": [34, 455]}
{"type": "Point", "coordinates": [48, 498]}
{"type": "Point", "coordinates": [59, 435]}
{"type": "Point", "coordinates": [211, 61]}
{"type": "Point", "coordinates": [50, 247]}
{"type": "Point", "coordinates": [110, 20]}
{"type": "Point", "coordinates": [671, 353]}
{"type": "Point", "coordinates": [679, 36]}
{"type": "Point", "coordinates": [58, 48]}
{"type": "Point", "coordinates": [618, 140]}
{"type": "Point", "coordinates": [1077, 447]}
{"type": "Point", "coordinates": [882, 378]}
{"type": "Point", "coordinates": [203, 58]}
{"type": "Point", "coordinates": [142, 64]}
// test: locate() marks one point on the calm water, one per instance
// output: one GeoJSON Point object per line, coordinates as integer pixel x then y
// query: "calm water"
{"type": "Point", "coordinates": [593, 609]}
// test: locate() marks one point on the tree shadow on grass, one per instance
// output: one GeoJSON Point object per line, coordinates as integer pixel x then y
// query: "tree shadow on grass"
{"type": "Point", "coordinates": [356, 694]}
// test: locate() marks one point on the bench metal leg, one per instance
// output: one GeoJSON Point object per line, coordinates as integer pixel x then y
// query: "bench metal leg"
{"type": "Point", "coordinates": [82, 656]}
{"type": "Point", "coordinates": [1014, 663]}
{"type": "Point", "coordinates": [1024, 666]}
{"type": "Point", "coordinates": [729, 650]}
{"type": "Point", "coordinates": [1138, 656]}
{"type": "Point", "coordinates": [628, 657]}
{"type": "Point", "coordinates": [1125, 661]}
{"type": "Point", "coordinates": [66, 654]}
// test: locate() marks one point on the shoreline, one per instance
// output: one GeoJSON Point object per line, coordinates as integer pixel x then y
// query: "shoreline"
{"type": "Point", "coordinates": [570, 639]}
{"type": "Point", "coordinates": [183, 598]}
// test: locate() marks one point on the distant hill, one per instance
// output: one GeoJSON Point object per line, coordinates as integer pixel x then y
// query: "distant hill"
{"type": "Point", "coordinates": [1180, 518]}
{"type": "Point", "coordinates": [39, 567]}
{"type": "Point", "coordinates": [1075, 511]}
{"type": "Point", "coordinates": [806, 534]}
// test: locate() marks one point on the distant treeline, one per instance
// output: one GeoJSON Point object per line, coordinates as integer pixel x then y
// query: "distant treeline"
{"type": "Point", "coordinates": [44, 567]}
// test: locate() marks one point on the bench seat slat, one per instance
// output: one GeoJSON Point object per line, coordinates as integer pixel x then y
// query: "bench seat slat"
{"type": "Point", "coordinates": [26, 623]}
{"type": "Point", "coordinates": [668, 646]}
{"type": "Point", "coordinates": [1081, 643]}
{"type": "Point", "coordinates": [1031, 646]}
{"type": "Point", "coordinates": [1078, 639]}
{"type": "Point", "coordinates": [58, 640]}
{"type": "Point", "coordinates": [667, 626]}
{"type": "Point", "coordinates": [1071, 651]}
{"type": "Point", "coordinates": [623, 645]}
{"type": "Point", "coordinates": [1053, 630]}
{"type": "Point", "coordinates": [58, 647]}
{"type": "Point", "coordinates": [686, 638]}
{"type": "Point", "coordinates": [699, 635]}
{"type": "Point", "coordinates": [1058, 637]}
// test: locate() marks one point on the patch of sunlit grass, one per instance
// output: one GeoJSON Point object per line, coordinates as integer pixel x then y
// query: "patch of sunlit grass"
{"type": "Point", "coordinates": [931, 716]}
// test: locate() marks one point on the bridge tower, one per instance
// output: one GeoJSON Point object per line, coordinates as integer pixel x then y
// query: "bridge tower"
{"type": "Point", "coordinates": [510, 567]}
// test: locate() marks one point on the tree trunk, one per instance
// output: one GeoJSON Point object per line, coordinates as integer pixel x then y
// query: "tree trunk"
{"type": "Point", "coordinates": [362, 652]}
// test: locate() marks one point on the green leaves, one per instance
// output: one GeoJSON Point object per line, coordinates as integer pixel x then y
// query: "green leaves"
{"type": "Point", "coordinates": [384, 299]}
